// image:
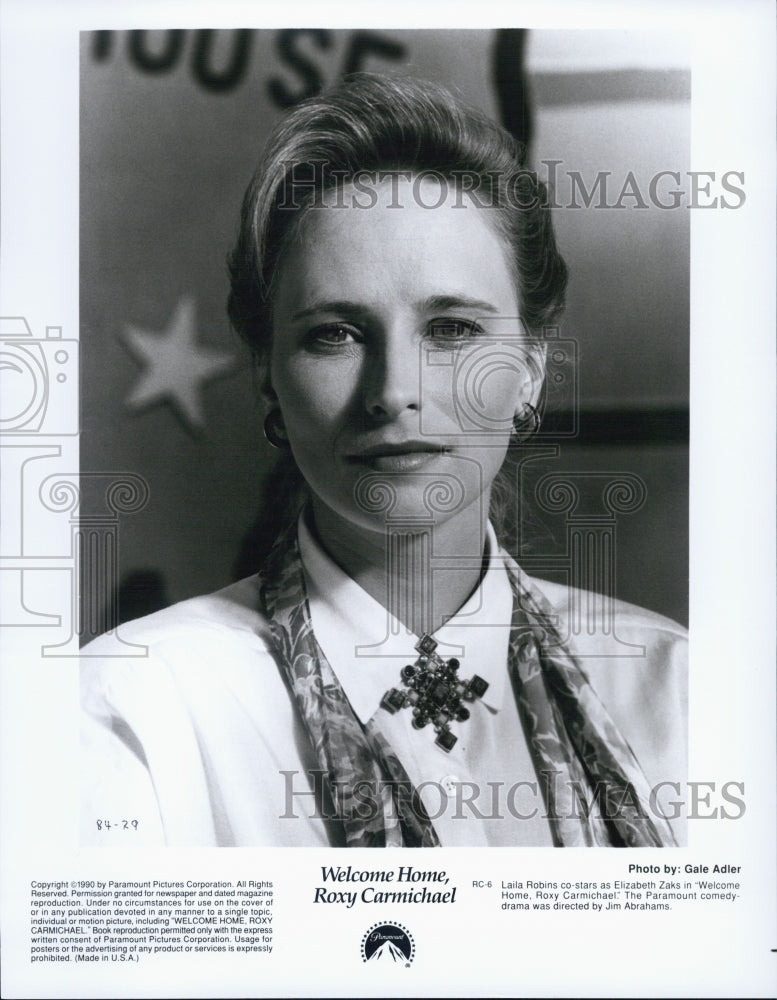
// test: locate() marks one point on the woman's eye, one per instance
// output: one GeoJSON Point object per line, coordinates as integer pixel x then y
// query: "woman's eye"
{"type": "Point", "coordinates": [333, 334]}
{"type": "Point", "coordinates": [452, 331]}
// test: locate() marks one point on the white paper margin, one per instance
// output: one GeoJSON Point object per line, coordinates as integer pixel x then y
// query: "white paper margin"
{"type": "Point", "coordinates": [478, 950]}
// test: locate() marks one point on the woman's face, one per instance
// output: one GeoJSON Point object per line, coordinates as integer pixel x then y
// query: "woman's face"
{"type": "Point", "coordinates": [398, 358]}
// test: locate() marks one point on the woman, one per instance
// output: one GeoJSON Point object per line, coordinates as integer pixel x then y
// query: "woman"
{"type": "Point", "coordinates": [390, 677]}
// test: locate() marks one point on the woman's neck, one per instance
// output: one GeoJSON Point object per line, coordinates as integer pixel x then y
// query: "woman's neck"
{"type": "Point", "coordinates": [423, 576]}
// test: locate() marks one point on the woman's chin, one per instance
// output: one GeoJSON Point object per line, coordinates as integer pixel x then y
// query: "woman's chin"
{"type": "Point", "coordinates": [386, 504]}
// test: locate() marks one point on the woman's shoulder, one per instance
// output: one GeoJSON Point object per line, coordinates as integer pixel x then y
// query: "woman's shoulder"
{"type": "Point", "coordinates": [627, 651]}
{"type": "Point", "coordinates": [599, 613]}
{"type": "Point", "coordinates": [232, 612]}
{"type": "Point", "coordinates": [189, 698]}
{"type": "Point", "coordinates": [218, 638]}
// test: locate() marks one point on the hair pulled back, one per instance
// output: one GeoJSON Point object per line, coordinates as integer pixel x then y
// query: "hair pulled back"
{"type": "Point", "coordinates": [372, 123]}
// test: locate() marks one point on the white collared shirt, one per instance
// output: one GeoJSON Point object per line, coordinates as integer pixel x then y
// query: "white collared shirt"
{"type": "Point", "coordinates": [195, 739]}
{"type": "Point", "coordinates": [484, 791]}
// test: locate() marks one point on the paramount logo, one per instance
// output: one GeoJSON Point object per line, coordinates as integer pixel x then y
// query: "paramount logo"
{"type": "Point", "coordinates": [388, 952]}
{"type": "Point", "coordinates": [388, 944]}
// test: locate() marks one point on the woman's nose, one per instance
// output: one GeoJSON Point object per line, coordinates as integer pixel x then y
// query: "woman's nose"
{"type": "Point", "coordinates": [393, 379]}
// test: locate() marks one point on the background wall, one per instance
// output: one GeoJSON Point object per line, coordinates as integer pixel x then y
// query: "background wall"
{"type": "Point", "coordinates": [172, 123]}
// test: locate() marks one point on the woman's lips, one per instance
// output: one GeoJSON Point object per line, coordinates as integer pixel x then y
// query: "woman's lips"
{"type": "Point", "coordinates": [403, 457]}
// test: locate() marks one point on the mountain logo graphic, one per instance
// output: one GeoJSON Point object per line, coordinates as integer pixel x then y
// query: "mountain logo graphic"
{"type": "Point", "coordinates": [388, 945]}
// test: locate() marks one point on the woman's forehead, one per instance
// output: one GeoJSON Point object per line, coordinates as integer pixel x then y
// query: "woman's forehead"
{"type": "Point", "coordinates": [407, 237]}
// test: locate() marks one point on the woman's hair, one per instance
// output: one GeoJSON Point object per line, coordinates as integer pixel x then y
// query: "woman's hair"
{"type": "Point", "coordinates": [366, 125]}
{"type": "Point", "coordinates": [375, 123]}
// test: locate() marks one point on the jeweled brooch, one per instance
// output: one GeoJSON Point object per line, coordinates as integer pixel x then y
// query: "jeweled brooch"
{"type": "Point", "coordinates": [435, 691]}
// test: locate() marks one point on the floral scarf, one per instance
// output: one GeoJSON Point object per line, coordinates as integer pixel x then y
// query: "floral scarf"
{"type": "Point", "coordinates": [594, 789]}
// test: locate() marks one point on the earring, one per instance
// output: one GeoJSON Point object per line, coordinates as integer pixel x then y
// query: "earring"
{"type": "Point", "coordinates": [274, 430]}
{"type": "Point", "coordinates": [521, 431]}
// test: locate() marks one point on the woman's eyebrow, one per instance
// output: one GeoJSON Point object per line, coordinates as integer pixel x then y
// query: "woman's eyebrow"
{"type": "Point", "coordinates": [435, 303]}
{"type": "Point", "coordinates": [341, 307]}
{"type": "Point", "coordinates": [442, 303]}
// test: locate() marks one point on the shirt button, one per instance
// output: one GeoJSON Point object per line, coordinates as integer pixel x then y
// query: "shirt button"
{"type": "Point", "coordinates": [449, 784]}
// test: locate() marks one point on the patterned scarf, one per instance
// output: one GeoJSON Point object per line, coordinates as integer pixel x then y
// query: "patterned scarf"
{"type": "Point", "coordinates": [594, 789]}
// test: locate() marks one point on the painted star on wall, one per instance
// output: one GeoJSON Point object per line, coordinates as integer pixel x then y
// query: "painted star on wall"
{"type": "Point", "coordinates": [176, 367]}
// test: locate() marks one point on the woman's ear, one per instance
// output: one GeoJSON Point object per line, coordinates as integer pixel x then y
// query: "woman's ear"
{"type": "Point", "coordinates": [266, 391]}
{"type": "Point", "coordinates": [533, 378]}
{"type": "Point", "coordinates": [528, 416]}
